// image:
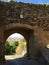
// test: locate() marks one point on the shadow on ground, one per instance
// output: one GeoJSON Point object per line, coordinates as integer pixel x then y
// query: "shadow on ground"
{"type": "Point", "coordinates": [25, 61]}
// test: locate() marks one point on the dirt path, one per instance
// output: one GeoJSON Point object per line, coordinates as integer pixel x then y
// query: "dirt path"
{"type": "Point", "coordinates": [24, 62]}
{"type": "Point", "coordinates": [19, 60]}
{"type": "Point", "coordinates": [10, 57]}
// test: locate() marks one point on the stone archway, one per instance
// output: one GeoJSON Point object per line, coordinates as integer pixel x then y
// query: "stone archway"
{"type": "Point", "coordinates": [25, 30]}
{"type": "Point", "coordinates": [18, 45]}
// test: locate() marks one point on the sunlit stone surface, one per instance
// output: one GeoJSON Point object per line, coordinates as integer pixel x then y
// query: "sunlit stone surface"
{"type": "Point", "coordinates": [48, 46]}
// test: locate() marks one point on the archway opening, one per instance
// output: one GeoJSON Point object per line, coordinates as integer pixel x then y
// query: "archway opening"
{"type": "Point", "coordinates": [15, 47]}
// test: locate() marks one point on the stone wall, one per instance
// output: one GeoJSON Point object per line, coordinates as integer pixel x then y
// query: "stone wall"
{"type": "Point", "coordinates": [32, 14]}
{"type": "Point", "coordinates": [31, 17]}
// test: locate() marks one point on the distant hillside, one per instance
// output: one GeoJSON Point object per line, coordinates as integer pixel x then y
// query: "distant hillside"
{"type": "Point", "coordinates": [12, 40]}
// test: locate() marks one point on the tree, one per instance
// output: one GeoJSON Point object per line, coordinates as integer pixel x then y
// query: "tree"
{"type": "Point", "coordinates": [15, 44]}
{"type": "Point", "coordinates": [7, 47]}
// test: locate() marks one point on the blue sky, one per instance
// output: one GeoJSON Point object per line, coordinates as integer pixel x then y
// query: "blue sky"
{"type": "Point", "coordinates": [32, 1]}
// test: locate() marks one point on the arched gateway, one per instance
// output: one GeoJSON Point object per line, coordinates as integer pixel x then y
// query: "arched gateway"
{"type": "Point", "coordinates": [30, 20]}
{"type": "Point", "coordinates": [8, 29]}
{"type": "Point", "coordinates": [23, 29]}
